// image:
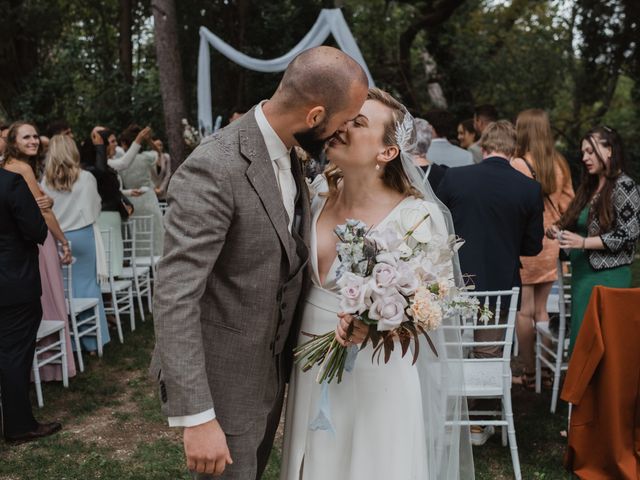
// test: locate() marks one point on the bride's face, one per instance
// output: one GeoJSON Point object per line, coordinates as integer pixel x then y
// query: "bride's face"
{"type": "Point", "coordinates": [358, 143]}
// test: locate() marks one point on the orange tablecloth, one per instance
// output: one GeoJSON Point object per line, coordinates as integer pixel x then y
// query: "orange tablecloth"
{"type": "Point", "coordinates": [603, 385]}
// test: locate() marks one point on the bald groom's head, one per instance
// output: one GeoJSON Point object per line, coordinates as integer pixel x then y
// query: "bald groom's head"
{"type": "Point", "coordinates": [321, 76]}
{"type": "Point", "coordinates": [321, 89]}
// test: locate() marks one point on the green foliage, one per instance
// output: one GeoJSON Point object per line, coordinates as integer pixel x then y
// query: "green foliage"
{"type": "Point", "coordinates": [77, 75]}
{"type": "Point", "coordinates": [575, 58]}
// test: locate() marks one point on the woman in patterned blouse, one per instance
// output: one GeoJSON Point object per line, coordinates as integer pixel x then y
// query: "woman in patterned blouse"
{"type": "Point", "coordinates": [602, 222]}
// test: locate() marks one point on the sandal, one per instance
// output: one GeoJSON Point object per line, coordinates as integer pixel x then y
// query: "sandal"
{"type": "Point", "coordinates": [529, 381]}
{"type": "Point", "coordinates": [547, 379]}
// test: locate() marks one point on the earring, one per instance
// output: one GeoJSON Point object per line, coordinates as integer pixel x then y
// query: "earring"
{"type": "Point", "coordinates": [377, 166]}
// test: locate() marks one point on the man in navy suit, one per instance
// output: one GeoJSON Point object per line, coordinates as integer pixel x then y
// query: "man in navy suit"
{"type": "Point", "coordinates": [498, 212]}
{"type": "Point", "coordinates": [21, 229]}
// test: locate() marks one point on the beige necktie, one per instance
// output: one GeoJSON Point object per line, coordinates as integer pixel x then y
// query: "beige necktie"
{"type": "Point", "coordinates": [287, 186]}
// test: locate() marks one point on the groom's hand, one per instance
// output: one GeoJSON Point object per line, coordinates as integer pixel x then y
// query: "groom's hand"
{"type": "Point", "coordinates": [205, 447]}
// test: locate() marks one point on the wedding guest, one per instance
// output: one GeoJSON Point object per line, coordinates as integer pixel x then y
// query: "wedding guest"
{"type": "Point", "coordinates": [162, 171]}
{"type": "Point", "coordinates": [59, 127]}
{"type": "Point", "coordinates": [432, 171]}
{"type": "Point", "coordinates": [601, 225]}
{"type": "Point", "coordinates": [483, 115]}
{"type": "Point", "coordinates": [441, 150]}
{"type": "Point", "coordinates": [77, 205]}
{"type": "Point", "coordinates": [116, 207]}
{"type": "Point", "coordinates": [138, 177]}
{"type": "Point", "coordinates": [499, 213]}
{"type": "Point", "coordinates": [4, 131]}
{"type": "Point", "coordinates": [537, 158]}
{"type": "Point", "coordinates": [23, 148]}
{"type": "Point", "coordinates": [22, 228]}
{"type": "Point", "coordinates": [467, 138]}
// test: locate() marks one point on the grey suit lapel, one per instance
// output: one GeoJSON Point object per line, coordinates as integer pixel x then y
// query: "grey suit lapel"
{"type": "Point", "coordinates": [262, 177]}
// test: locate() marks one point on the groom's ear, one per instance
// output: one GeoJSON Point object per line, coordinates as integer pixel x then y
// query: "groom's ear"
{"type": "Point", "coordinates": [316, 116]}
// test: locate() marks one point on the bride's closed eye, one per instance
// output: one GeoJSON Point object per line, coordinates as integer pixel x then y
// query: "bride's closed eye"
{"type": "Point", "coordinates": [360, 121]}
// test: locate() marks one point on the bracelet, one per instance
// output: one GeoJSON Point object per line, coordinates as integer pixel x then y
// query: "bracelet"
{"type": "Point", "coordinates": [65, 244]}
{"type": "Point", "coordinates": [584, 241]}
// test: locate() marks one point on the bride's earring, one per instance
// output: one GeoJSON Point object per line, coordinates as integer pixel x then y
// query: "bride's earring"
{"type": "Point", "coordinates": [377, 166]}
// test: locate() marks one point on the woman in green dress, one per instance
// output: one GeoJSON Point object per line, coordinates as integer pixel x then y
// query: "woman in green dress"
{"type": "Point", "coordinates": [601, 225]}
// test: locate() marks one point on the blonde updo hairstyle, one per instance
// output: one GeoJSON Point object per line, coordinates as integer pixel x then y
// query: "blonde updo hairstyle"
{"type": "Point", "coordinates": [392, 172]}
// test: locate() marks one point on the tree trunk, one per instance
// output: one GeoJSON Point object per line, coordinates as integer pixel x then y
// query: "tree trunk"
{"type": "Point", "coordinates": [170, 72]}
{"type": "Point", "coordinates": [434, 89]}
{"type": "Point", "coordinates": [124, 40]}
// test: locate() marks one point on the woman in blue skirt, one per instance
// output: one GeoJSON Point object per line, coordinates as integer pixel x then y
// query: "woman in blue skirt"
{"type": "Point", "coordinates": [77, 206]}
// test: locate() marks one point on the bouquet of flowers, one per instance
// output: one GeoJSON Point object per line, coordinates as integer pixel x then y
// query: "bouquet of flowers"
{"type": "Point", "coordinates": [401, 287]}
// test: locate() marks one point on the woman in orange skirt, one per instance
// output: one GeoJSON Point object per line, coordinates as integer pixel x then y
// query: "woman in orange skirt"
{"type": "Point", "coordinates": [536, 157]}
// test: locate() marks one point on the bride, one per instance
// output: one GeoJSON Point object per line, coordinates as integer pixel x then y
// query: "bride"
{"type": "Point", "coordinates": [387, 421]}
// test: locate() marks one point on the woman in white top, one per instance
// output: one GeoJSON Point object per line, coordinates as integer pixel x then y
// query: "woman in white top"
{"type": "Point", "coordinates": [77, 206]}
{"type": "Point", "coordinates": [137, 177]}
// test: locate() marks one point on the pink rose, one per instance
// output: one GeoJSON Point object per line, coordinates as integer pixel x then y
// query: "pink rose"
{"type": "Point", "coordinates": [388, 311]}
{"type": "Point", "coordinates": [383, 277]}
{"type": "Point", "coordinates": [407, 281]}
{"type": "Point", "coordinates": [353, 293]}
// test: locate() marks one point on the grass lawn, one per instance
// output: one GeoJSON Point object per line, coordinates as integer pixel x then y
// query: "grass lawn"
{"type": "Point", "coordinates": [113, 429]}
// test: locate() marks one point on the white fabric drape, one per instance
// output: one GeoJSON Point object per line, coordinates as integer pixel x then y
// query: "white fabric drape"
{"type": "Point", "coordinates": [330, 21]}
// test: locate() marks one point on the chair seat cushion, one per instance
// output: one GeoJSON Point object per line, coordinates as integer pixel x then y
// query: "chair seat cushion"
{"type": "Point", "coordinates": [82, 304]}
{"type": "Point", "coordinates": [118, 286]}
{"type": "Point", "coordinates": [141, 270]}
{"type": "Point", "coordinates": [48, 327]}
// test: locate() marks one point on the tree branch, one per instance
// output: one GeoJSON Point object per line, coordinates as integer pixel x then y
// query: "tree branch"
{"type": "Point", "coordinates": [439, 12]}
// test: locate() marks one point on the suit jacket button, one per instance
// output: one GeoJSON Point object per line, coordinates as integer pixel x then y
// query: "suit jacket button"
{"type": "Point", "coordinates": [283, 306]}
{"type": "Point", "coordinates": [272, 345]}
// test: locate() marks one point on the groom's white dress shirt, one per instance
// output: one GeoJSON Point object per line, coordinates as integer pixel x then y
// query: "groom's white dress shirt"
{"type": "Point", "coordinates": [280, 157]}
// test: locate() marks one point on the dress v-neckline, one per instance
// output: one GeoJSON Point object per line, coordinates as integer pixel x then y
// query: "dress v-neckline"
{"type": "Point", "coordinates": [314, 240]}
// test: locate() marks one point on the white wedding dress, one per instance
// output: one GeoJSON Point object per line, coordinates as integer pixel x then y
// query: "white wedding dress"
{"type": "Point", "coordinates": [377, 411]}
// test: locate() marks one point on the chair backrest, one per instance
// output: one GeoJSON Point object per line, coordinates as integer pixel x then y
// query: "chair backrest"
{"type": "Point", "coordinates": [500, 303]}
{"type": "Point", "coordinates": [67, 282]}
{"type": "Point", "coordinates": [128, 242]}
{"type": "Point", "coordinates": [564, 296]}
{"type": "Point", "coordinates": [143, 233]}
{"type": "Point", "coordinates": [106, 241]}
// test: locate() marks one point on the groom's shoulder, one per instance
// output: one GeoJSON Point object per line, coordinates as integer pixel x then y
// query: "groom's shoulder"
{"type": "Point", "coordinates": [220, 151]}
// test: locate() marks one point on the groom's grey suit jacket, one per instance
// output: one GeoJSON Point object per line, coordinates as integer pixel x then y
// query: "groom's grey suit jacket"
{"type": "Point", "coordinates": [230, 283]}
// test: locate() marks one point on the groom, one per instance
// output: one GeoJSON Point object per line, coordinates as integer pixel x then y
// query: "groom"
{"type": "Point", "coordinates": [232, 278]}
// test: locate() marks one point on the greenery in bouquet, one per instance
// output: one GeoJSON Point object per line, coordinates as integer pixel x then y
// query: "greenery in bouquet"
{"type": "Point", "coordinates": [400, 286]}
